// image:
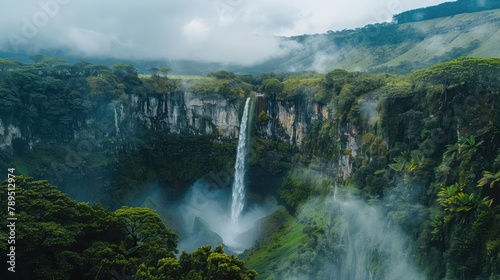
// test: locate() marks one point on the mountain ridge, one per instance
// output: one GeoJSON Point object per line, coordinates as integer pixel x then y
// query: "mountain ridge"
{"type": "Point", "coordinates": [383, 47]}
{"type": "Point", "coordinates": [400, 48]}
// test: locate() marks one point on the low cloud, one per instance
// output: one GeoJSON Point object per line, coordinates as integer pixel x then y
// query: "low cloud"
{"type": "Point", "coordinates": [226, 31]}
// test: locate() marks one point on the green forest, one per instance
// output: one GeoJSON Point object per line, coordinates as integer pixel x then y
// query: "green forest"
{"type": "Point", "coordinates": [60, 238]}
{"type": "Point", "coordinates": [426, 156]}
{"type": "Point", "coordinates": [444, 10]}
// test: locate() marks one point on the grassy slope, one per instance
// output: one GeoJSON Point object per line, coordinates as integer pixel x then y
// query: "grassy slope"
{"type": "Point", "coordinates": [282, 234]}
{"type": "Point", "coordinates": [432, 41]}
{"type": "Point", "coordinates": [444, 34]}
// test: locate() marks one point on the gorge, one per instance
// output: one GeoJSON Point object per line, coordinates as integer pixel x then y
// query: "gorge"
{"type": "Point", "coordinates": [349, 174]}
{"type": "Point", "coordinates": [367, 153]}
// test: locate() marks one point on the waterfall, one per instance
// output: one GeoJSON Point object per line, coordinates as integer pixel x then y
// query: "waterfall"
{"type": "Point", "coordinates": [335, 191]}
{"type": "Point", "coordinates": [117, 128]}
{"type": "Point", "coordinates": [238, 201]}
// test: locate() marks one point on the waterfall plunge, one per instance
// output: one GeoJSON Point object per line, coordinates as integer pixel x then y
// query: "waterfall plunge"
{"type": "Point", "coordinates": [209, 206]}
{"type": "Point", "coordinates": [238, 201]}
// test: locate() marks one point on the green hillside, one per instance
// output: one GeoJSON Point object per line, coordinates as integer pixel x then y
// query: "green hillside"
{"type": "Point", "coordinates": [400, 48]}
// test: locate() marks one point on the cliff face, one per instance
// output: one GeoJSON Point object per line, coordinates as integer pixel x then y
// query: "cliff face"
{"type": "Point", "coordinates": [207, 114]}
{"type": "Point", "coordinates": [181, 112]}
{"type": "Point", "coordinates": [290, 119]}
{"type": "Point", "coordinates": [174, 112]}
{"type": "Point", "coordinates": [7, 134]}
{"type": "Point", "coordinates": [186, 111]}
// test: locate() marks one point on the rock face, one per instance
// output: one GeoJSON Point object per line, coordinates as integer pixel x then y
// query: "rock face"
{"type": "Point", "coordinates": [186, 111]}
{"type": "Point", "coordinates": [7, 134]}
{"type": "Point", "coordinates": [173, 112]}
{"type": "Point", "coordinates": [290, 119]}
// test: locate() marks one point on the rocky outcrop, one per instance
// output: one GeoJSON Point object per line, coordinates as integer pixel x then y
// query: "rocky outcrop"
{"type": "Point", "coordinates": [8, 134]}
{"type": "Point", "coordinates": [178, 112]}
{"type": "Point", "coordinates": [289, 119]}
{"type": "Point", "coordinates": [173, 112]}
{"type": "Point", "coordinates": [186, 111]}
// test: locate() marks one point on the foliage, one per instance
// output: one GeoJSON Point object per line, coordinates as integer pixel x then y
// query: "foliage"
{"type": "Point", "coordinates": [322, 140]}
{"type": "Point", "coordinates": [228, 88]}
{"type": "Point", "coordinates": [222, 74]}
{"type": "Point", "coordinates": [146, 231]}
{"type": "Point", "coordinates": [436, 138]}
{"type": "Point", "coordinates": [272, 87]}
{"type": "Point", "coordinates": [301, 184]}
{"type": "Point", "coordinates": [489, 179]}
{"type": "Point", "coordinates": [64, 239]}
{"type": "Point", "coordinates": [283, 234]}
{"type": "Point", "coordinates": [212, 265]}
{"type": "Point", "coordinates": [168, 159]}
{"type": "Point", "coordinates": [445, 10]}
{"type": "Point", "coordinates": [297, 87]}
{"type": "Point", "coordinates": [263, 118]}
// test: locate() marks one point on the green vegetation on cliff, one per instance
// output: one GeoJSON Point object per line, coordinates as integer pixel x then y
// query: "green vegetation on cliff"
{"type": "Point", "coordinates": [422, 147]}
{"type": "Point", "coordinates": [426, 152]}
{"type": "Point", "coordinates": [59, 238]}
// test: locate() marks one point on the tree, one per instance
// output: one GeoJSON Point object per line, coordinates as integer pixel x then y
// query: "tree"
{"type": "Point", "coordinates": [206, 264]}
{"type": "Point", "coordinates": [169, 269]}
{"type": "Point", "coordinates": [263, 118]}
{"type": "Point", "coordinates": [36, 58]}
{"type": "Point", "coordinates": [460, 205]}
{"type": "Point", "coordinates": [53, 61]}
{"type": "Point", "coordinates": [165, 70]}
{"type": "Point", "coordinates": [472, 74]}
{"type": "Point", "coordinates": [53, 229]}
{"type": "Point", "coordinates": [6, 64]}
{"type": "Point", "coordinates": [147, 235]}
{"type": "Point", "coordinates": [336, 79]}
{"type": "Point", "coordinates": [81, 67]}
{"type": "Point", "coordinates": [122, 69]}
{"type": "Point", "coordinates": [62, 238]}
{"type": "Point", "coordinates": [145, 273]}
{"type": "Point", "coordinates": [467, 147]}
{"type": "Point", "coordinates": [273, 87]}
{"type": "Point", "coordinates": [222, 74]}
{"type": "Point", "coordinates": [489, 178]}
{"type": "Point", "coordinates": [153, 71]}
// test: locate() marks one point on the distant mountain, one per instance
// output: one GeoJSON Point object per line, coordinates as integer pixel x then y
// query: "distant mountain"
{"type": "Point", "coordinates": [446, 9]}
{"type": "Point", "coordinates": [394, 47]}
{"type": "Point", "coordinates": [415, 39]}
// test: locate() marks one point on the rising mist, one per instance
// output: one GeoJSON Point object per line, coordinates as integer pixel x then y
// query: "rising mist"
{"type": "Point", "coordinates": [360, 240]}
{"type": "Point", "coordinates": [205, 215]}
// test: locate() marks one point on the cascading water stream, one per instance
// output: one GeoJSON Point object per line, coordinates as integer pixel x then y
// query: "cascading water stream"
{"type": "Point", "coordinates": [117, 128]}
{"type": "Point", "coordinates": [238, 201]}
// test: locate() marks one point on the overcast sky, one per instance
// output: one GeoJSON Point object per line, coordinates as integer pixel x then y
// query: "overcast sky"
{"type": "Point", "coordinates": [235, 31]}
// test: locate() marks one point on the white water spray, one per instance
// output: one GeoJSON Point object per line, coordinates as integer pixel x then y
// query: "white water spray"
{"type": "Point", "coordinates": [238, 201]}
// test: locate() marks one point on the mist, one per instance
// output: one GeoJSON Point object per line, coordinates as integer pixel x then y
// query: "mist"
{"type": "Point", "coordinates": [369, 110]}
{"type": "Point", "coordinates": [371, 244]}
{"type": "Point", "coordinates": [224, 31]}
{"type": "Point", "coordinates": [204, 214]}
{"type": "Point", "coordinates": [362, 239]}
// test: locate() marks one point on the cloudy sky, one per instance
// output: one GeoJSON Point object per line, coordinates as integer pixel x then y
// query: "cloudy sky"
{"type": "Point", "coordinates": [232, 31]}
